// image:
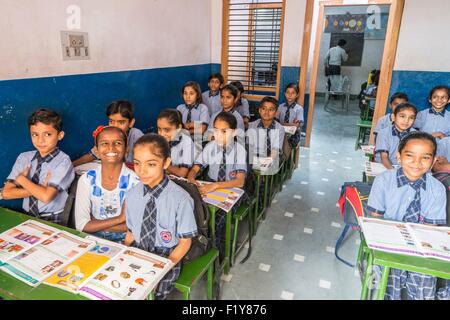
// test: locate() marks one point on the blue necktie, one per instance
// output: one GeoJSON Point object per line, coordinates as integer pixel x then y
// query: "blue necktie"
{"type": "Point", "coordinates": [222, 176]}
{"type": "Point", "coordinates": [414, 208]}
{"type": "Point", "coordinates": [268, 144]}
{"type": "Point", "coordinates": [148, 229]}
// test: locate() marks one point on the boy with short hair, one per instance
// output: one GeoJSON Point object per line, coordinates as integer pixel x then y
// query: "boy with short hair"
{"type": "Point", "coordinates": [384, 122]}
{"type": "Point", "coordinates": [211, 97]}
{"type": "Point", "coordinates": [42, 177]}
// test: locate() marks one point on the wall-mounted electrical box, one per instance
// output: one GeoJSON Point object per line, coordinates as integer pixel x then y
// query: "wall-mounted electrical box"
{"type": "Point", "coordinates": [75, 45]}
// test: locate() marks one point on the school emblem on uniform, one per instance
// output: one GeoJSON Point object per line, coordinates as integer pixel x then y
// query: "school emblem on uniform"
{"type": "Point", "coordinates": [166, 236]}
{"type": "Point", "coordinates": [232, 174]}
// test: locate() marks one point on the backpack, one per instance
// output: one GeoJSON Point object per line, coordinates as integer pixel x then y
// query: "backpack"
{"type": "Point", "coordinates": [444, 178]}
{"type": "Point", "coordinates": [202, 242]}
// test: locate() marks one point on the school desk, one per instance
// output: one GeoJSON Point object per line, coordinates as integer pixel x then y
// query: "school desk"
{"type": "Point", "coordinates": [14, 289]}
{"type": "Point", "coordinates": [429, 266]}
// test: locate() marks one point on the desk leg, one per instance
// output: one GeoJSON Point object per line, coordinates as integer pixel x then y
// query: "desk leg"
{"type": "Point", "coordinates": [228, 242]}
{"type": "Point", "coordinates": [383, 283]}
{"type": "Point", "coordinates": [256, 210]}
{"type": "Point", "coordinates": [367, 277]}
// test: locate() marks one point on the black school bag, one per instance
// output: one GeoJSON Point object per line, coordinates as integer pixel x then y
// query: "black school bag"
{"type": "Point", "coordinates": [202, 242]}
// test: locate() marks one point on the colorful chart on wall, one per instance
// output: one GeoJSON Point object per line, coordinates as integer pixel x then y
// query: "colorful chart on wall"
{"type": "Point", "coordinates": [345, 23]}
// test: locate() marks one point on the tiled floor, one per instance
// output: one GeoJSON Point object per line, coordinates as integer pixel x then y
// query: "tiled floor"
{"type": "Point", "coordinates": [293, 251]}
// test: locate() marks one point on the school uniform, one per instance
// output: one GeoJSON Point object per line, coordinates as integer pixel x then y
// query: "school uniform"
{"type": "Point", "coordinates": [243, 107]}
{"type": "Point", "coordinates": [263, 140]}
{"type": "Point", "coordinates": [430, 121]}
{"type": "Point", "coordinates": [197, 113]}
{"type": "Point", "coordinates": [240, 121]}
{"type": "Point", "coordinates": [383, 122]}
{"type": "Point", "coordinates": [288, 114]}
{"type": "Point", "coordinates": [424, 201]}
{"type": "Point", "coordinates": [158, 218]}
{"type": "Point", "coordinates": [443, 148]}
{"type": "Point", "coordinates": [62, 174]}
{"type": "Point", "coordinates": [223, 165]}
{"type": "Point", "coordinates": [182, 151]}
{"type": "Point", "coordinates": [92, 200]}
{"type": "Point", "coordinates": [212, 100]}
{"type": "Point", "coordinates": [132, 136]}
{"type": "Point", "coordinates": [388, 140]}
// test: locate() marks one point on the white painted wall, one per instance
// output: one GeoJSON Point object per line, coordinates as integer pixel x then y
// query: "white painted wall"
{"type": "Point", "coordinates": [123, 35]}
{"type": "Point", "coordinates": [216, 30]}
{"type": "Point", "coordinates": [423, 43]}
{"type": "Point", "coordinates": [293, 32]}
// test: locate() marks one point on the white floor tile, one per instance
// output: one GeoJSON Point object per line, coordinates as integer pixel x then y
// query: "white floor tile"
{"type": "Point", "coordinates": [356, 273]}
{"type": "Point", "coordinates": [348, 168]}
{"type": "Point", "coordinates": [325, 179]}
{"type": "Point", "coordinates": [336, 224]}
{"type": "Point", "coordinates": [286, 295]}
{"type": "Point", "coordinates": [278, 237]}
{"type": "Point", "coordinates": [332, 161]}
{"type": "Point", "coordinates": [274, 201]}
{"type": "Point", "coordinates": [335, 152]}
{"type": "Point", "coordinates": [324, 284]}
{"type": "Point", "coordinates": [317, 210]}
{"type": "Point", "coordinates": [330, 170]}
{"type": "Point", "coordinates": [226, 277]}
{"type": "Point", "coordinates": [289, 214]}
{"type": "Point", "coordinates": [308, 230]}
{"type": "Point", "coordinates": [337, 205]}
{"type": "Point", "coordinates": [320, 193]}
{"type": "Point", "coordinates": [314, 162]}
{"type": "Point", "coordinates": [264, 267]}
{"type": "Point", "coordinates": [319, 154]}
{"type": "Point", "coordinates": [299, 258]}
{"type": "Point", "coordinates": [348, 159]}
{"type": "Point", "coordinates": [298, 197]}
{"type": "Point", "coordinates": [330, 249]}
{"type": "Point", "coordinates": [358, 241]}
{"type": "Point", "coordinates": [304, 182]}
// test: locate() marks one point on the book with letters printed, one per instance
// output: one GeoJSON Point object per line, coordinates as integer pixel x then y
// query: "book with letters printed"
{"type": "Point", "coordinates": [223, 198]}
{"type": "Point", "coordinates": [72, 277]}
{"type": "Point", "coordinates": [407, 238]}
{"type": "Point", "coordinates": [40, 261]}
{"type": "Point", "coordinates": [22, 237]}
{"type": "Point", "coordinates": [132, 275]}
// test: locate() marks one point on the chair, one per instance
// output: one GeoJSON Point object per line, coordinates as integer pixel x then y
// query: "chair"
{"type": "Point", "coordinates": [352, 204]}
{"type": "Point", "coordinates": [341, 88]}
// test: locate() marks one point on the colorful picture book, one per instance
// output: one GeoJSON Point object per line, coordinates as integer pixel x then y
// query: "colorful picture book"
{"type": "Point", "coordinates": [40, 261]}
{"type": "Point", "coordinates": [407, 238]}
{"type": "Point", "coordinates": [262, 163]}
{"type": "Point", "coordinates": [290, 129]}
{"type": "Point", "coordinates": [223, 199]}
{"type": "Point", "coordinates": [131, 275]}
{"type": "Point", "coordinates": [72, 277]}
{"type": "Point", "coordinates": [22, 237]}
{"type": "Point", "coordinates": [368, 149]}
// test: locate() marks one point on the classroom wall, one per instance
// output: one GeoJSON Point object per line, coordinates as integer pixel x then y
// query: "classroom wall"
{"type": "Point", "coordinates": [423, 49]}
{"type": "Point", "coordinates": [138, 52]}
{"type": "Point", "coordinates": [371, 59]}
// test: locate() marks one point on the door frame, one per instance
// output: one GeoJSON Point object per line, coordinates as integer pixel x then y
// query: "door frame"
{"type": "Point", "coordinates": [387, 63]}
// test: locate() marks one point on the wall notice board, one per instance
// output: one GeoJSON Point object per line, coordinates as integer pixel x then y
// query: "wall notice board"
{"type": "Point", "coordinates": [354, 47]}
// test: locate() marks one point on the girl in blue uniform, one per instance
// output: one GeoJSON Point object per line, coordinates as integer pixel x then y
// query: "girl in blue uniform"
{"type": "Point", "coordinates": [159, 214]}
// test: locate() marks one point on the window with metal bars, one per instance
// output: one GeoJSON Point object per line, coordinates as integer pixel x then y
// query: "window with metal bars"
{"type": "Point", "coordinates": [252, 45]}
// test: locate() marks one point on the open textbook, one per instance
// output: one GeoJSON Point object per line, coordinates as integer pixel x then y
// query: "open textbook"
{"type": "Point", "coordinates": [223, 199]}
{"type": "Point", "coordinates": [72, 277]}
{"type": "Point", "coordinates": [41, 260]}
{"type": "Point", "coordinates": [373, 169]}
{"type": "Point", "coordinates": [407, 238]}
{"type": "Point", "coordinates": [290, 129]}
{"type": "Point", "coordinates": [131, 275]}
{"type": "Point", "coordinates": [22, 237]}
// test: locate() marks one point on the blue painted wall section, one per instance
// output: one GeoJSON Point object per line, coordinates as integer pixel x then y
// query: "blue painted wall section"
{"type": "Point", "coordinates": [417, 84]}
{"type": "Point", "coordinates": [82, 102]}
{"type": "Point", "coordinates": [288, 75]}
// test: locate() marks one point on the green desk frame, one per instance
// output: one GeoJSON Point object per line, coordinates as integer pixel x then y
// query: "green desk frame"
{"type": "Point", "coordinates": [428, 266]}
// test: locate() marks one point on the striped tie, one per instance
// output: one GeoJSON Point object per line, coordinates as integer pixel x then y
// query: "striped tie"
{"type": "Point", "coordinates": [222, 176]}
{"type": "Point", "coordinates": [414, 208]}
{"type": "Point", "coordinates": [33, 202]}
{"type": "Point", "coordinates": [148, 229]}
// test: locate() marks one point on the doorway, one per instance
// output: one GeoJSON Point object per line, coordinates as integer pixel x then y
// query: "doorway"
{"type": "Point", "coordinates": [336, 17]}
